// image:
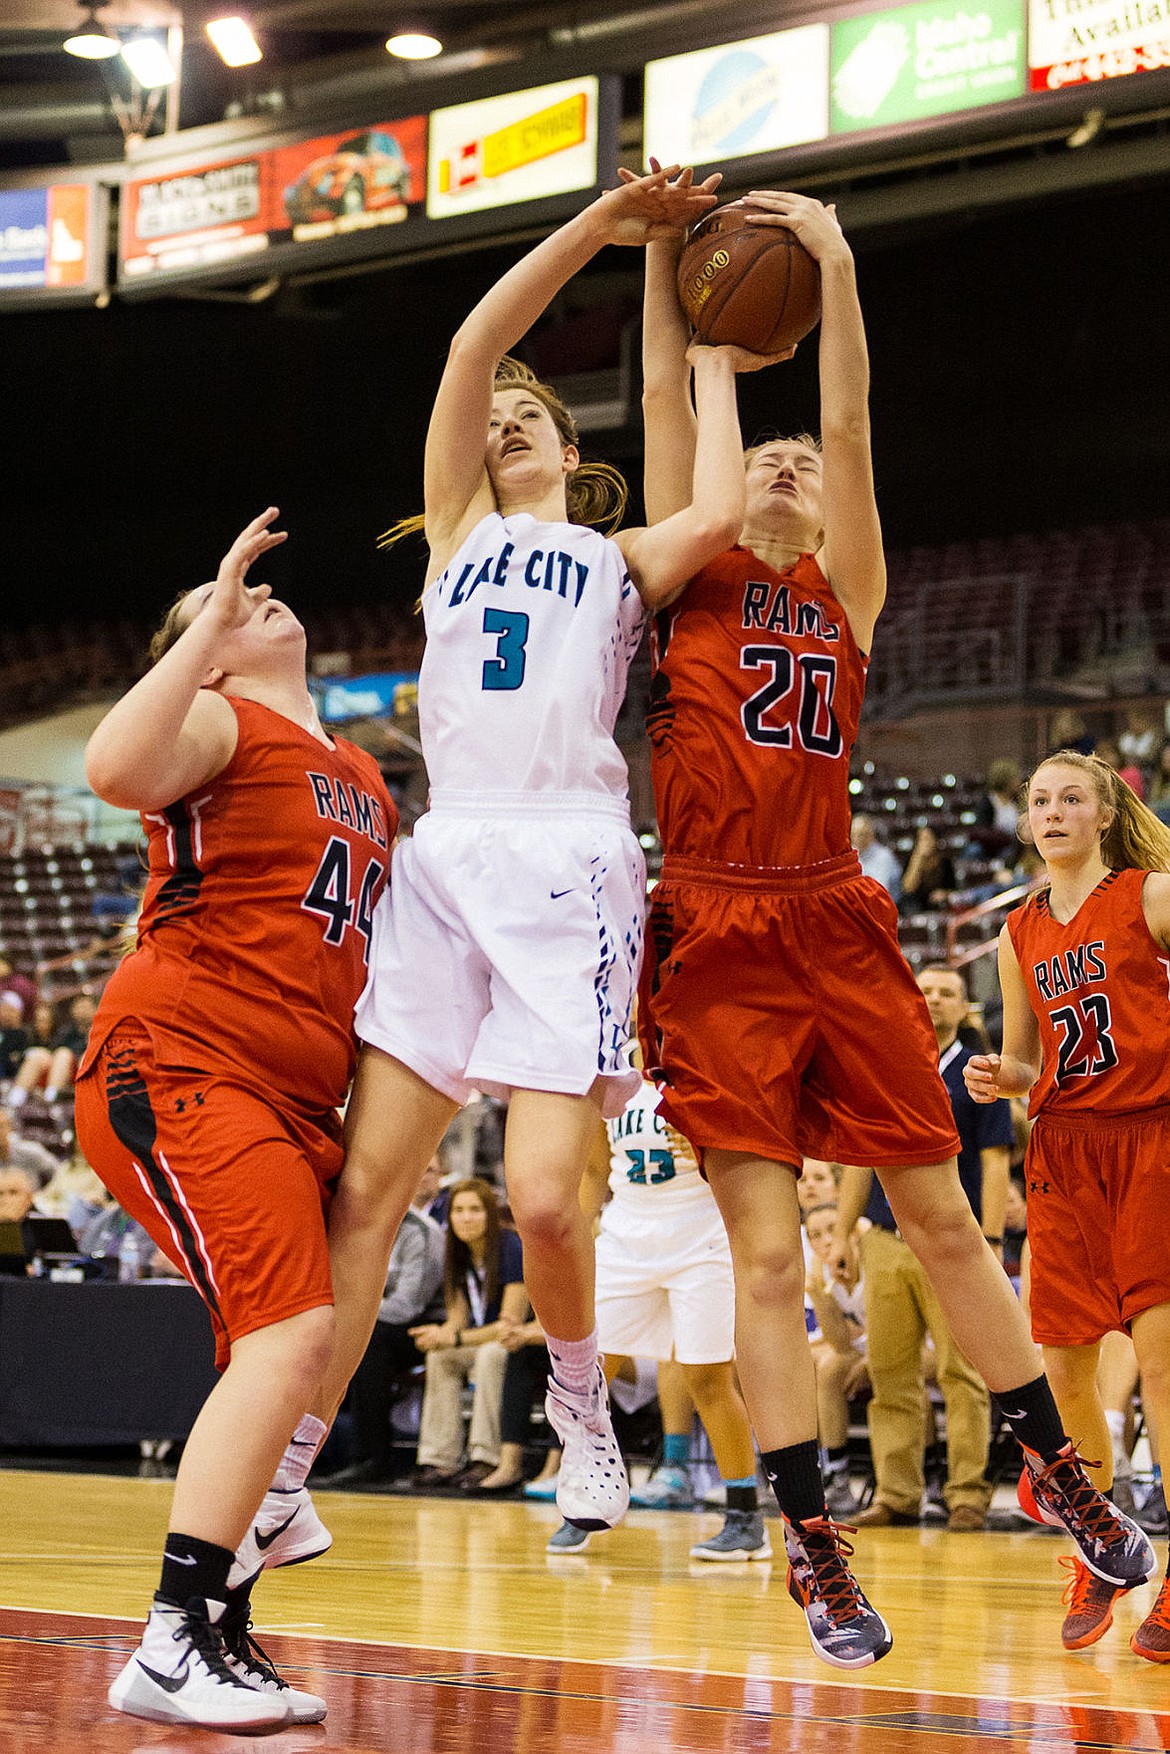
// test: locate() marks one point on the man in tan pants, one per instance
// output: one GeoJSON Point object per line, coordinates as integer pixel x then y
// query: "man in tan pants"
{"type": "Point", "coordinates": [901, 1307]}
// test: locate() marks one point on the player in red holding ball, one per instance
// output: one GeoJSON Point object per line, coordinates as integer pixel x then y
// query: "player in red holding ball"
{"type": "Point", "coordinates": [775, 1006]}
{"type": "Point", "coordinates": [1086, 1006]}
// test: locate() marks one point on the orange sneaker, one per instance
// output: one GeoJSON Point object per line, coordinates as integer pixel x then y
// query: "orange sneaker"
{"type": "Point", "coordinates": [1152, 1638]}
{"type": "Point", "coordinates": [1089, 1601]}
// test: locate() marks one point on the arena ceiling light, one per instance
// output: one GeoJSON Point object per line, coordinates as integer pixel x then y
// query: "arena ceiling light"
{"type": "Point", "coordinates": [92, 41]}
{"type": "Point", "coordinates": [234, 41]}
{"type": "Point", "coordinates": [149, 62]}
{"type": "Point", "coordinates": [413, 45]}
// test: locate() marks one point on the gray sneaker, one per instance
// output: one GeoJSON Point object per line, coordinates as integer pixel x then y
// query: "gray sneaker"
{"type": "Point", "coordinates": [568, 1539]}
{"type": "Point", "coordinates": [842, 1505]}
{"type": "Point", "coordinates": [743, 1536]}
{"type": "Point", "coordinates": [668, 1488]}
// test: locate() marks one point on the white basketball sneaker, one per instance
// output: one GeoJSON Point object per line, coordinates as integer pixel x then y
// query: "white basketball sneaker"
{"type": "Point", "coordinates": [179, 1675]}
{"type": "Point", "coordinates": [255, 1668]}
{"type": "Point", "coordinates": [286, 1530]}
{"type": "Point", "coordinates": [593, 1491]}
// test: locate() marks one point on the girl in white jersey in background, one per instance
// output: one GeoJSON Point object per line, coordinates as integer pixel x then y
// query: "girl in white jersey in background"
{"type": "Point", "coordinates": [508, 960]}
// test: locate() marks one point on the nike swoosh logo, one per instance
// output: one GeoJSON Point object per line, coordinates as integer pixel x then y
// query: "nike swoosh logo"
{"type": "Point", "coordinates": [1013, 1412]}
{"type": "Point", "coordinates": [168, 1683]}
{"type": "Point", "coordinates": [265, 1541]}
{"type": "Point", "coordinates": [180, 1560]}
{"type": "Point", "coordinates": [302, 1443]}
{"type": "Point", "coordinates": [555, 894]}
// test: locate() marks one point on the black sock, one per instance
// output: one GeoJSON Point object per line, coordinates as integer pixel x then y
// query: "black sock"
{"type": "Point", "coordinates": [742, 1498]}
{"type": "Point", "coordinates": [1031, 1413]}
{"type": "Point", "coordinates": [795, 1474]}
{"type": "Point", "coordinates": [192, 1567]}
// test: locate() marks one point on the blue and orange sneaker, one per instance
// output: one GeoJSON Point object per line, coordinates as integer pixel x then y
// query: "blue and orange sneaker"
{"type": "Point", "coordinates": [844, 1629]}
{"type": "Point", "coordinates": [1110, 1545]}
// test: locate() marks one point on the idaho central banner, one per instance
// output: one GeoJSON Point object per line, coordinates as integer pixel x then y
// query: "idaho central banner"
{"type": "Point", "coordinates": [1074, 42]}
{"type": "Point", "coordinates": [925, 60]}
{"type": "Point", "coordinates": [328, 187]}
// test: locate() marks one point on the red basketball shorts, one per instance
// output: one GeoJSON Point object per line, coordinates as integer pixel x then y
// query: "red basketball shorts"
{"type": "Point", "coordinates": [783, 1020]}
{"type": "Point", "coordinates": [233, 1187]}
{"type": "Point", "coordinates": [1098, 1211]}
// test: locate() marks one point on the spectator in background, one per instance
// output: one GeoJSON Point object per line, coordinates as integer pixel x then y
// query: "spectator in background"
{"type": "Point", "coordinates": [1015, 1227]}
{"type": "Point", "coordinates": [25, 1153]}
{"type": "Point", "coordinates": [1069, 731]}
{"type": "Point", "coordinates": [838, 1353]}
{"type": "Point", "coordinates": [414, 1283]}
{"type": "Point", "coordinates": [14, 1037]}
{"type": "Point", "coordinates": [54, 1068]}
{"type": "Point", "coordinates": [877, 861]}
{"type": "Point", "coordinates": [929, 877]}
{"type": "Point", "coordinates": [998, 811]}
{"type": "Point", "coordinates": [901, 1306]}
{"type": "Point", "coordinates": [18, 1193]}
{"type": "Point", "coordinates": [20, 984]}
{"type": "Point", "coordinates": [1139, 742]}
{"type": "Point", "coordinates": [1109, 752]}
{"type": "Point", "coordinates": [483, 1284]}
{"type": "Point", "coordinates": [1158, 797]}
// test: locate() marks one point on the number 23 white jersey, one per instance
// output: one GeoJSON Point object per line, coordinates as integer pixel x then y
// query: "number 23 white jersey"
{"type": "Point", "coordinates": [530, 633]}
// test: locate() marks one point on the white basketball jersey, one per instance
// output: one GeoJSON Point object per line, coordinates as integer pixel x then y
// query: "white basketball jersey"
{"type": "Point", "coordinates": [647, 1161]}
{"type": "Point", "coordinates": [530, 633]}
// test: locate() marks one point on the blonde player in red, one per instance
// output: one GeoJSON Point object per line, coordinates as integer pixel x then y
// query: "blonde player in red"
{"type": "Point", "coordinates": [1085, 970]}
{"type": "Point", "coordinates": [775, 1006]}
{"type": "Point", "coordinates": [207, 1101]}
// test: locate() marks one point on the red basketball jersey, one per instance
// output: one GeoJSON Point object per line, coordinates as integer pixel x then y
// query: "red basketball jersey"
{"type": "Point", "coordinates": [255, 928]}
{"type": "Point", "coordinates": [754, 708]}
{"type": "Point", "coordinates": [1100, 988]}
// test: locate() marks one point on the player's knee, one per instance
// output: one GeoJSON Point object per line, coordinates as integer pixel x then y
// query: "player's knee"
{"type": "Point", "coordinates": [545, 1224]}
{"type": "Point", "coordinates": [771, 1275]}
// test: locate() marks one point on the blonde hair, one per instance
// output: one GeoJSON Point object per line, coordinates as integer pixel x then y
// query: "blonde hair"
{"type": "Point", "coordinates": [595, 493]}
{"type": "Point", "coordinates": [809, 440]}
{"type": "Point", "coordinates": [1135, 839]}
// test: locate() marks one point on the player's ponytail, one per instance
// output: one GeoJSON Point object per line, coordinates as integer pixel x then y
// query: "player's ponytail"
{"type": "Point", "coordinates": [1136, 840]}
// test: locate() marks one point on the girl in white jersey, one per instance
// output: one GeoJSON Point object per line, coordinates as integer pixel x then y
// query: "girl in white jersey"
{"type": "Point", "coordinates": [508, 960]}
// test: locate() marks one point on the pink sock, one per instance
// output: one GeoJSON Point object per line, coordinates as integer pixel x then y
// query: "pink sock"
{"type": "Point", "coordinates": [574, 1363]}
{"type": "Point", "coordinates": [293, 1468]}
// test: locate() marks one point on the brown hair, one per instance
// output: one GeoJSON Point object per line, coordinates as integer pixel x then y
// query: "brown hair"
{"type": "Point", "coordinates": [595, 493]}
{"type": "Point", "coordinates": [1135, 839]}
{"type": "Point", "coordinates": [169, 631]}
{"type": "Point", "coordinates": [459, 1260]}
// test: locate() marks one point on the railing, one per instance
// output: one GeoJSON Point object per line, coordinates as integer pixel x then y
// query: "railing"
{"type": "Point", "coordinates": [33, 815]}
{"type": "Point", "coordinates": [1004, 901]}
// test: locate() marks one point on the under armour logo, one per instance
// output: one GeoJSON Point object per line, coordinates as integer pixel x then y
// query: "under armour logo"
{"type": "Point", "coordinates": [1038, 1187]}
{"type": "Point", "coordinates": [180, 1106]}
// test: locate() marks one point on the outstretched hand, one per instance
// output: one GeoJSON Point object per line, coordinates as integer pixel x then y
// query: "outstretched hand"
{"type": "Point", "coordinates": [659, 205]}
{"type": "Point", "coordinates": [816, 225]}
{"type": "Point", "coordinates": [741, 360]}
{"type": "Point", "coordinates": [231, 600]}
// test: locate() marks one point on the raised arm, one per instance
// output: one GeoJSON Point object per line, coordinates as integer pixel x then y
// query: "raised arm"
{"type": "Point", "coordinates": [456, 490]}
{"type": "Point", "coordinates": [169, 734]}
{"type": "Point", "coordinates": [667, 414]}
{"type": "Point", "coordinates": [853, 560]}
{"type": "Point", "coordinates": [664, 556]}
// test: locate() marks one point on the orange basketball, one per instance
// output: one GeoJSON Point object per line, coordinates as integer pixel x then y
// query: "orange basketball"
{"type": "Point", "coordinates": [748, 285]}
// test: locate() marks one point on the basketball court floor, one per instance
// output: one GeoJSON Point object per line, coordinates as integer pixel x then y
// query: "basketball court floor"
{"type": "Point", "coordinates": [444, 1627]}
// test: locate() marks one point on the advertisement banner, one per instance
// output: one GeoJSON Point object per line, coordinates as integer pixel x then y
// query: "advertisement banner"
{"type": "Point", "coordinates": [740, 98]}
{"type": "Point", "coordinates": [382, 694]}
{"type": "Point", "coordinates": [1074, 42]}
{"type": "Point", "coordinates": [926, 60]}
{"type": "Point", "coordinates": [45, 237]}
{"type": "Point", "coordinates": [521, 146]}
{"type": "Point", "coordinates": [331, 186]}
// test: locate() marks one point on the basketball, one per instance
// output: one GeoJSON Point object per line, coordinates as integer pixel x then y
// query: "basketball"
{"type": "Point", "coordinates": [747, 285]}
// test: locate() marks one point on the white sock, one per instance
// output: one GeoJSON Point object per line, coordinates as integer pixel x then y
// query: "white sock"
{"type": "Point", "coordinates": [574, 1363]}
{"type": "Point", "coordinates": [16, 1096]}
{"type": "Point", "coordinates": [293, 1468]}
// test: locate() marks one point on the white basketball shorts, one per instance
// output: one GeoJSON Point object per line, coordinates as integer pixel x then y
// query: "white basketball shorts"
{"type": "Point", "coordinates": [506, 948]}
{"type": "Point", "coordinates": [664, 1281]}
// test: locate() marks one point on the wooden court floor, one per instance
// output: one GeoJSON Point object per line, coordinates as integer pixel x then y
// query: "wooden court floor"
{"type": "Point", "coordinates": [438, 1626]}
